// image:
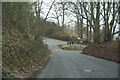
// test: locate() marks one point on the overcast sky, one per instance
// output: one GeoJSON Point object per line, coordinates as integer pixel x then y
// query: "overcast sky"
{"type": "Point", "coordinates": [46, 5]}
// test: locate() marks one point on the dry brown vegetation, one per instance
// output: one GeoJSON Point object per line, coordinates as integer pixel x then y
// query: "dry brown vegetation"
{"type": "Point", "coordinates": [21, 55]}
{"type": "Point", "coordinates": [108, 50]}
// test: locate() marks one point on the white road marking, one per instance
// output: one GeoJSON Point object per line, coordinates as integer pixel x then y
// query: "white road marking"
{"type": "Point", "coordinates": [88, 70]}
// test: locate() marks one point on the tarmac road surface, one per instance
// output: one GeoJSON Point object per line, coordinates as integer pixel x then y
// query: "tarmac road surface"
{"type": "Point", "coordinates": [72, 64]}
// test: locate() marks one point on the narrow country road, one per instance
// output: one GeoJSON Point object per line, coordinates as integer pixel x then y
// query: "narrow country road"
{"type": "Point", "coordinates": [71, 64]}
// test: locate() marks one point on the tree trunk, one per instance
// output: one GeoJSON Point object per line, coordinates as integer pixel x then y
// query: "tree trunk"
{"type": "Point", "coordinates": [63, 5]}
{"type": "Point", "coordinates": [81, 23]}
{"type": "Point", "coordinates": [97, 25]}
{"type": "Point", "coordinates": [90, 35]}
{"type": "Point", "coordinates": [87, 31]}
{"type": "Point", "coordinates": [107, 35]}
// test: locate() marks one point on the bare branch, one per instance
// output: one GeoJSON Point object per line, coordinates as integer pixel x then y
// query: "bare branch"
{"type": "Point", "coordinates": [49, 10]}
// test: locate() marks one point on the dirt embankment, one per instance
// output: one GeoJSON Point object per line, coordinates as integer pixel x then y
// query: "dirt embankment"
{"type": "Point", "coordinates": [109, 51]}
{"type": "Point", "coordinates": [21, 55]}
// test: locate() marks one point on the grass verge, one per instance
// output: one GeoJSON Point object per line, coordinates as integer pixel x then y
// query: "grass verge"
{"type": "Point", "coordinates": [70, 47]}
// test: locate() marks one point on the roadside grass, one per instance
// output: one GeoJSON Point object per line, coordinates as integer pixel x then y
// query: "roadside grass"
{"type": "Point", "coordinates": [70, 47]}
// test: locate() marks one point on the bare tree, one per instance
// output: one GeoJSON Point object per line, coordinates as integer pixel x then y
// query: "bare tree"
{"type": "Point", "coordinates": [109, 29]}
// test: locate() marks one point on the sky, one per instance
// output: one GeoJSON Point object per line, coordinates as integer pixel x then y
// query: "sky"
{"type": "Point", "coordinates": [47, 4]}
{"type": "Point", "coordinates": [59, 0]}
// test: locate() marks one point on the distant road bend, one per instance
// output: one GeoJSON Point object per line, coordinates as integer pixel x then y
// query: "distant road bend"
{"type": "Point", "coordinates": [71, 64]}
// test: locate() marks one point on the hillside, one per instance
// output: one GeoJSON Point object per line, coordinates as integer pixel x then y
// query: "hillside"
{"type": "Point", "coordinates": [21, 55]}
{"type": "Point", "coordinates": [108, 50]}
